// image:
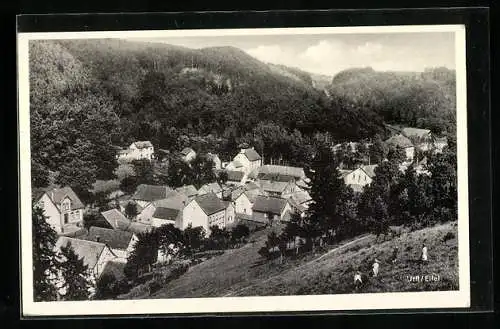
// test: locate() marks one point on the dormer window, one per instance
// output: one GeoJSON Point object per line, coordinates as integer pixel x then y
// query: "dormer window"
{"type": "Point", "coordinates": [66, 205]}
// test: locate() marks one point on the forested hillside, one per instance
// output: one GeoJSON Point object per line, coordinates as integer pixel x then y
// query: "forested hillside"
{"type": "Point", "coordinates": [88, 95]}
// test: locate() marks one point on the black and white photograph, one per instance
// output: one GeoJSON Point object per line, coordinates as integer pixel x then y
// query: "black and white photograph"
{"type": "Point", "coordinates": [242, 170]}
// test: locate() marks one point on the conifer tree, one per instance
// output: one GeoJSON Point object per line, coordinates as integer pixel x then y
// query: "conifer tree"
{"type": "Point", "coordinates": [76, 283]}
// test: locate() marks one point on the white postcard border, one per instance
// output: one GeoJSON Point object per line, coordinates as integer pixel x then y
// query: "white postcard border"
{"type": "Point", "coordinates": [412, 300]}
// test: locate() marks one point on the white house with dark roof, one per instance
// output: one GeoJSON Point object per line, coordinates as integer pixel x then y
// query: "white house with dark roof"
{"type": "Point", "coordinates": [300, 201]}
{"type": "Point", "coordinates": [120, 242]}
{"type": "Point", "coordinates": [267, 209]}
{"type": "Point", "coordinates": [421, 138]}
{"type": "Point", "coordinates": [206, 210]}
{"type": "Point", "coordinates": [277, 172]}
{"type": "Point", "coordinates": [276, 188]}
{"type": "Point", "coordinates": [247, 160]}
{"type": "Point", "coordinates": [235, 177]}
{"type": "Point", "coordinates": [140, 150]}
{"type": "Point", "coordinates": [188, 154]}
{"type": "Point", "coordinates": [164, 211]}
{"type": "Point", "coordinates": [63, 209]}
{"type": "Point", "coordinates": [358, 178]}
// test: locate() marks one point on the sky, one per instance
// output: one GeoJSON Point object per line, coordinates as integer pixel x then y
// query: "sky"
{"type": "Point", "coordinates": [329, 54]}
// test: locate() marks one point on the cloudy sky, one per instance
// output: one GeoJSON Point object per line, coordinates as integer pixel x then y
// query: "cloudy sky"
{"type": "Point", "coordinates": [331, 53]}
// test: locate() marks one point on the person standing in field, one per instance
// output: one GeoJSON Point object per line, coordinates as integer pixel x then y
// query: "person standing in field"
{"type": "Point", "coordinates": [376, 266]}
{"type": "Point", "coordinates": [424, 253]}
{"type": "Point", "coordinates": [357, 280]}
{"type": "Point", "coordinates": [394, 256]}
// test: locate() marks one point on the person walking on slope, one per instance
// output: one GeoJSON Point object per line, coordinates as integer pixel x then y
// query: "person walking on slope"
{"type": "Point", "coordinates": [376, 266]}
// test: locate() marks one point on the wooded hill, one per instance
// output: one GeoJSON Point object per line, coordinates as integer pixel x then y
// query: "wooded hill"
{"type": "Point", "coordinates": [87, 95]}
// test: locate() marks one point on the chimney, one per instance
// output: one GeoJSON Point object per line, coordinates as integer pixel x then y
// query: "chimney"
{"type": "Point", "coordinates": [97, 238]}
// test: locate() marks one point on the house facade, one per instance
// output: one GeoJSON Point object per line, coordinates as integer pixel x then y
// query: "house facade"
{"type": "Point", "coordinates": [140, 150]}
{"type": "Point", "coordinates": [62, 208]}
{"type": "Point", "coordinates": [404, 143]}
{"type": "Point", "coordinates": [242, 204]}
{"type": "Point", "coordinates": [145, 194]}
{"type": "Point", "coordinates": [247, 160]}
{"type": "Point", "coordinates": [205, 211]}
{"type": "Point", "coordinates": [270, 209]}
{"type": "Point", "coordinates": [120, 242]}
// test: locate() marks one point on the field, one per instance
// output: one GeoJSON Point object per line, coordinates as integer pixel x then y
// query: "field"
{"type": "Point", "coordinates": [242, 272]}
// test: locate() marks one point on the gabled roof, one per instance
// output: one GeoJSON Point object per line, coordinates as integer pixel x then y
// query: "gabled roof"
{"type": "Point", "coordinates": [116, 219]}
{"type": "Point", "coordinates": [187, 190]}
{"type": "Point", "coordinates": [236, 164]}
{"type": "Point", "coordinates": [344, 172]}
{"type": "Point", "coordinates": [296, 172]}
{"type": "Point", "coordinates": [115, 239]}
{"type": "Point", "coordinates": [415, 132]}
{"type": "Point", "coordinates": [400, 141]}
{"type": "Point", "coordinates": [252, 195]}
{"type": "Point", "coordinates": [59, 194]}
{"type": "Point", "coordinates": [270, 186]}
{"type": "Point", "coordinates": [166, 213]}
{"type": "Point", "coordinates": [276, 177]}
{"type": "Point", "coordinates": [210, 188]}
{"type": "Point", "coordinates": [267, 204]}
{"type": "Point", "coordinates": [369, 170]}
{"type": "Point", "coordinates": [251, 154]}
{"type": "Point", "coordinates": [210, 203]}
{"type": "Point", "coordinates": [251, 186]}
{"type": "Point", "coordinates": [138, 228]}
{"type": "Point", "coordinates": [147, 192]}
{"type": "Point", "coordinates": [235, 175]}
{"type": "Point", "coordinates": [185, 151]}
{"type": "Point", "coordinates": [301, 197]}
{"type": "Point", "coordinates": [90, 251]}
{"type": "Point", "coordinates": [142, 144]}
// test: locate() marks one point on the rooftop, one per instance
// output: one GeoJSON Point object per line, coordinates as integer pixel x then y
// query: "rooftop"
{"type": "Point", "coordinates": [145, 192]}
{"type": "Point", "coordinates": [116, 219]}
{"type": "Point", "coordinates": [251, 154]}
{"type": "Point", "coordinates": [143, 144]}
{"type": "Point", "coordinates": [115, 239]}
{"type": "Point", "coordinates": [399, 141]}
{"type": "Point", "coordinates": [415, 132]}
{"type": "Point", "coordinates": [234, 175]}
{"type": "Point", "coordinates": [267, 204]}
{"type": "Point", "coordinates": [90, 251]}
{"type": "Point", "coordinates": [187, 190]}
{"type": "Point", "coordinates": [185, 151]}
{"type": "Point", "coordinates": [59, 194]}
{"type": "Point", "coordinates": [210, 203]}
{"type": "Point", "coordinates": [210, 188]}
{"type": "Point", "coordinates": [295, 172]}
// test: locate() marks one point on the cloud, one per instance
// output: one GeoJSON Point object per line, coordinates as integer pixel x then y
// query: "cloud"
{"type": "Point", "coordinates": [332, 56]}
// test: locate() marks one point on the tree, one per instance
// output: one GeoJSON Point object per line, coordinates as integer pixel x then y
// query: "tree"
{"type": "Point", "coordinates": [239, 233]}
{"type": "Point", "coordinates": [396, 155]}
{"type": "Point", "coordinates": [219, 237]}
{"type": "Point", "coordinates": [222, 177]}
{"type": "Point", "coordinates": [44, 257]}
{"type": "Point", "coordinates": [106, 287]}
{"type": "Point", "coordinates": [179, 173]}
{"type": "Point", "coordinates": [202, 170]}
{"type": "Point", "coordinates": [144, 171]}
{"type": "Point", "coordinates": [170, 239]}
{"type": "Point", "coordinates": [193, 237]}
{"type": "Point", "coordinates": [143, 255]}
{"type": "Point", "coordinates": [378, 150]}
{"type": "Point", "coordinates": [129, 184]}
{"type": "Point", "coordinates": [76, 283]}
{"type": "Point", "coordinates": [131, 210]}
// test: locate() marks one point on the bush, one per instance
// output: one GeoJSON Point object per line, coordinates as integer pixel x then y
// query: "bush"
{"type": "Point", "coordinates": [448, 236]}
{"type": "Point", "coordinates": [264, 252]}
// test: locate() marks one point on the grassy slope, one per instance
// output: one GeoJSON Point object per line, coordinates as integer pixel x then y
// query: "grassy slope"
{"type": "Point", "coordinates": [241, 272]}
{"type": "Point", "coordinates": [334, 274]}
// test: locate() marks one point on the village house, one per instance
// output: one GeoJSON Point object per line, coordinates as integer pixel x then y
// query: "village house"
{"type": "Point", "coordinates": [277, 189]}
{"type": "Point", "coordinates": [360, 177]}
{"type": "Point", "coordinates": [62, 208]}
{"type": "Point", "coordinates": [164, 211]}
{"type": "Point", "coordinates": [300, 201]}
{"type": "Point", "coordinates": [268, 209]}
{"type": "Point", "coordinates": [241, 200]}
{"type": "Point", "coordinates": [116, 219]}
{"type": "Point", "coordinates": [404, 143]}
{"type": "Point", "coordinates": [421, 138]}
{"type": "Point", "coordinates": [120, 242]}
{"type": "Point", "coordinates": [188, 154]}
{"type": "Point", "coordinates": [95, 255]}
{"type": "Point", "coordinates": [139, 228]}
{"type": "Point", "coordinates": [283, 173]}
{"type": "Point", "coordinates": [211, 188]}
{"type": "Point", "coordinates": [146, 194]}
{"type": "Point", "coordinates": [235, 177]}
{"type": "Point", "coordinates": [216, 160]}
{"type": "Point", "coordinates": [188, 190]}
{"type": "Point", "coordinates": [247, 160]}
{"type": "Point", "coordinates": [207, 210]}
{"type": "Point", "coordinates": [140, 150]}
